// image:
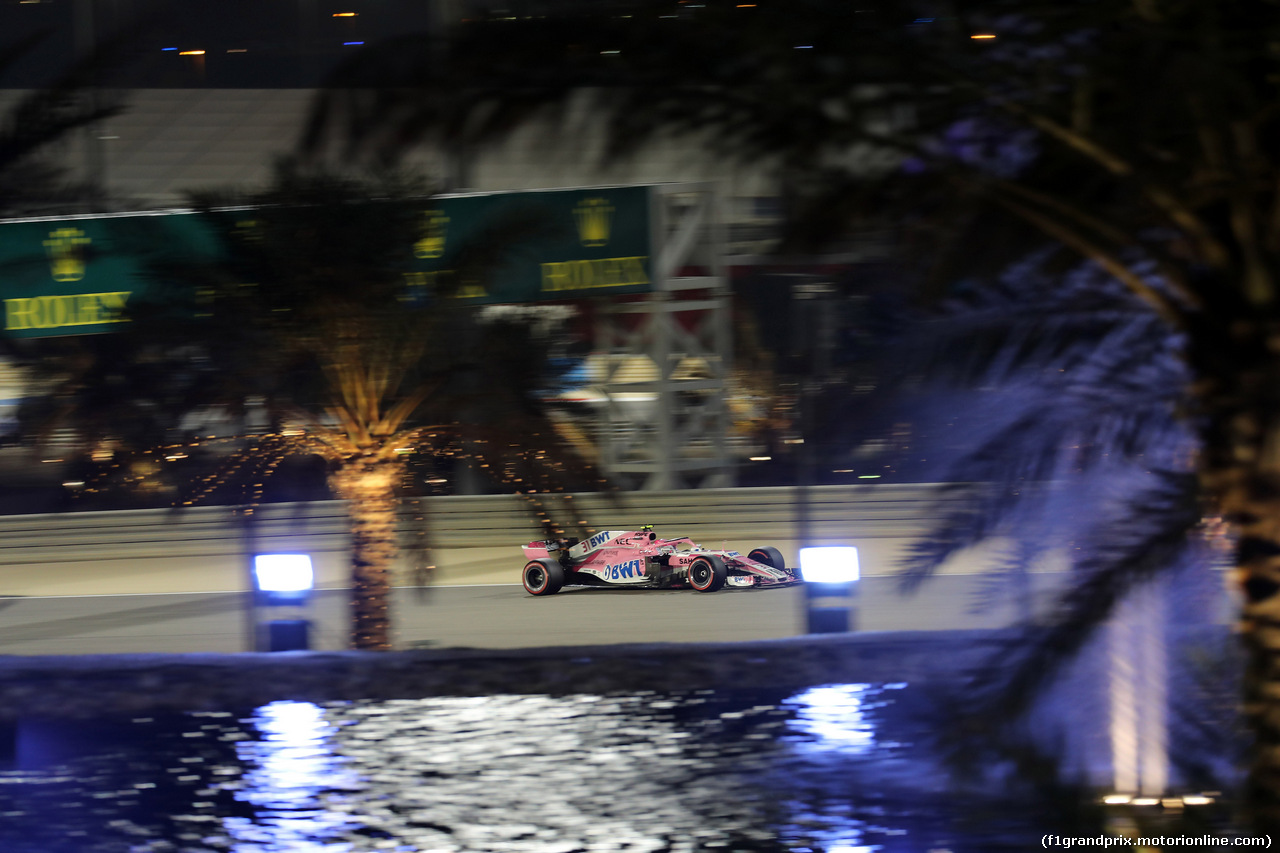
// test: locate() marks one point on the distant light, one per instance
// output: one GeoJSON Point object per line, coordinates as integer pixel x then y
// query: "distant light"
{"type": "Point", "coordinates": [746, 5]}
{"type": "Point", "coordinates": [606, 52]}
{"type": "Point", "coordinates": [868, 476]}
{"type": "Point", "coordinates": [1196, 800]}
{"type": "Point", "coordinates": [237, 50]}
{"type": "Point", "coordinates": [843, 471]}
{"type": "Point", "coordinates": [353, 42]}
{"type": "Point", "coordinates": [836, 718]}
{"type": "Point", "coordinates": [73, 484]}
{"type": "Point", "coordinates": [345, 14]}
{"type": "Point", "coordinates": [191, 53]}
{"type": "Point", "coordinates": [924, 20]}
{"type": "Point", "coordinates": [983, 36]}
{"type": "Point", "coordinates": [1146, 801]}
{"type": "Point", "coordinates": [168, 48]}
{"type": "Point", "coordinates": [283, 572]}
{"type": "Point", "coordinates": [1116, 799]}
{"type": "Point", "coordinates": [804, 47]}
{"type": "Point", "coordinates": [760, 458]}
{"type": "Point", "coordinates": [793, 441]}
{"type": "Point", "coordinates": [830, 564]}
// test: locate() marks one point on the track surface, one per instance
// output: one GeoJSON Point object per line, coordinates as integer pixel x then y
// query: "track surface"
{"type": "Point", "coordinates": [494, 616]}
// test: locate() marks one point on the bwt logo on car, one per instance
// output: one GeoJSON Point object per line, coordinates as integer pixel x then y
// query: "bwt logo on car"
{"type": "Point", "coordinates": [599, 539]}
{"type": "Point", "coordinates": [629, 569]}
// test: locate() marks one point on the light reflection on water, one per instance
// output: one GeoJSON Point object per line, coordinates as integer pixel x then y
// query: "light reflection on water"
{"type": "Point", "coordinates": [539, 773]}
{"type": "Point", "coordinates": [291, 770]}
{"type": "Point", "coordinates": [640, 773]}
{"type": "Point", "coordinates": [833, 716]}
{"type": "Point", "coordinates": [829, 720]}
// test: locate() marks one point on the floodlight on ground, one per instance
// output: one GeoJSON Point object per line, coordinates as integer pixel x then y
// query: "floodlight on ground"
{"type": "Point", "coordinates": [283, 581]}
{"type": "Point", "coordinates": [831, 574]}
{"type": "Point", "coordinates": [830, 564]}
{"type": "Point", "coordinates": [283, 572]}
{"type": "Point", "coordinates": [283, 578]}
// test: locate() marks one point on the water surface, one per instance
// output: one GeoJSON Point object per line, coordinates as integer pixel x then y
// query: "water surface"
{"type": "Point", "coordinates": [833, 769]}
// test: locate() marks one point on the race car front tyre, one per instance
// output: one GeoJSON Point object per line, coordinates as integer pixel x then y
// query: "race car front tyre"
{"type": "Point", "coordinates": [769, 556]}
{"type": "Point", "coordinates": [708, 573]}
{"type": "Point", "coordinates": [543, 576]}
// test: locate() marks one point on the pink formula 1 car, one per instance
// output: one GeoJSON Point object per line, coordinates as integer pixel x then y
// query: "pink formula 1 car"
{"type": "Point", "coordinates": [639, 558]}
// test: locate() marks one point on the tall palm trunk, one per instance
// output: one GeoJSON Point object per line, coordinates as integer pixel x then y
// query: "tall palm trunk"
{"type": "Point", "coordinates": [367, 484]}
{"type": "Point", "coordinates": [1253, 501]}
{"type": "Point", "coordinates": [1240, 472]}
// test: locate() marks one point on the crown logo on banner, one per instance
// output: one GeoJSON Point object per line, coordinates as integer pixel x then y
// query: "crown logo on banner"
{"type": "Point", "coordinates": [594, 216]}
{"type": "Point", "coordinates": [66, 258]}
{"type": "Point", "coordinates": [431, 243]}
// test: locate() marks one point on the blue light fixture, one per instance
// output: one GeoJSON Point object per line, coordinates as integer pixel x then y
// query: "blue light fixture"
{"type": "Point", "coordinates": [830, 564]}
{"type": "Point", "coordinates": [831, 574]}
{"type": "Point", "coordinates": [283, 583]}
{"type": "Point", "coordinates": [283, 578]}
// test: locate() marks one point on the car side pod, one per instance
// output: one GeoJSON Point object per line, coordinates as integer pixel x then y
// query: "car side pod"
{"type": "Point", "coordinates": [542, 576]}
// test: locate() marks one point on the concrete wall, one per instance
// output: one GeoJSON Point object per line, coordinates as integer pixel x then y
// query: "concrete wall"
{"type": "Point", "coordinates": [170, 141]}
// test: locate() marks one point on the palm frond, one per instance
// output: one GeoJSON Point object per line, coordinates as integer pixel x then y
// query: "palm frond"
{"type": "Point", "coordinates": [1146, 535]}
{"type": "Point", "coordinates": [1009, 577]}
{"type": "Point", "coordinates": [72, 101]}
{"type": "Point", "coordinates": [1066, 375]}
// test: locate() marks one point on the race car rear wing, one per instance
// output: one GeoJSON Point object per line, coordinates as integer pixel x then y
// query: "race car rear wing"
{"type": "Point", "coordinates": [586, 546]}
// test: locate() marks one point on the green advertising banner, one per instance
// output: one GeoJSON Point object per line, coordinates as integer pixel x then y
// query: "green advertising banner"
{"type": "Point", "coordinates": [76, 276]}
{"type": "Point", "coordinates": [584, 242]}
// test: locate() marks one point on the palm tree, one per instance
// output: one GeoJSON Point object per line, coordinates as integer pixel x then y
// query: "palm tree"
{"type": "Point", "coordinates": [1072, 390]}
{"type": "Point", "coordinates": [1139, 135]}
{"type": "Point", "coordinates": [298, 328]}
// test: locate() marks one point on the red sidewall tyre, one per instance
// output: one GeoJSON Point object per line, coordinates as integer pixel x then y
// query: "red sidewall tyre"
{"type": "Point", "coordinates": [708, 574]}
{"type": "Point", "coordinates": [542, 577]}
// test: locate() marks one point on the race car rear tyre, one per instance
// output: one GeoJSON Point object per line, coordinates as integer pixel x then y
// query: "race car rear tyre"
{"type": "Point", "coordinates": [543, 576]}
{"type": "Point", "coordinates": [769, 556]}
{"type": "Point", "coordinates": [708, 573]}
